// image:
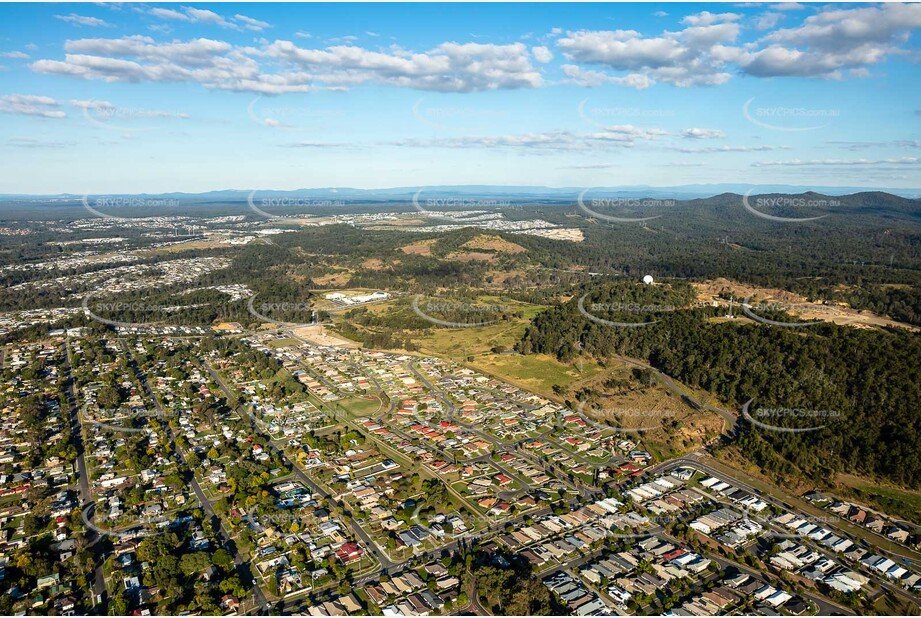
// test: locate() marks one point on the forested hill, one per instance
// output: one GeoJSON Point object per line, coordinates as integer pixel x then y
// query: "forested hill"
{"type": "Point", "coordinates": [868, 380]}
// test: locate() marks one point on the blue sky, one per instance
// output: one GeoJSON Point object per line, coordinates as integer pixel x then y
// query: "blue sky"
{"type": "Point", "coordinates": [195, 97]}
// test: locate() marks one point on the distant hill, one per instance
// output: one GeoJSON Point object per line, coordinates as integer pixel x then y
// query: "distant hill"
{"type": "Point", "coordinates": [485, 191]}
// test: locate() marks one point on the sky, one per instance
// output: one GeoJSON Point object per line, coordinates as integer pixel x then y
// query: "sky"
{"type": "Point", "coordinates": [133, 98]}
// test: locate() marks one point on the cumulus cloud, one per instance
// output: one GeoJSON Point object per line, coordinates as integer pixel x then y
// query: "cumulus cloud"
{"type": "Point", "coordinates": [542, 54]}
{"type": "Point", "coordinates": [449, 67]}
{"type": "Point", "coordinates": [587, 77]}
{"type": "Point", "coordinates": [692, 57]}
{"type": "Point", "coordinates": [766, 21]}
{"type": "Point", "coordinates": [835, 40]}
{"type": "Point", "coordinates": [832, 44]}
{"type": "Point", "coordinates": [83, 20]}
{"type": "Point", "coordinates": [706, 18]}
{"type": "Point", "coordinates": [14, 55]}
{"type": "Point", "coordinates": [31, 105]}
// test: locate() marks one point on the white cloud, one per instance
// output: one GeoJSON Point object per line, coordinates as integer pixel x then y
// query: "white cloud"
{"type": "Point", "coordinates": [766, 21]}
{"type": "Point", "coordinates": [14, 55]}
{"type": "Point", "coordinates": [106, 110]}
{"type": "Point", "coordinates": [835, 40]}
{"type": "Point", "coordinates": [204, 16]}
{"type": "Point", "coordinates": [83, 20]}
{"type": "Point", "coordinates": [542, 54]}
{"type": "Point", "coordinates": [840, 162]}
{"type": "Point", "coordinates": [251, 24]}
{"type": "Point", "coordinates": [692, 57]}
{"type": "Point", "coordinates": [587, 77]}
{"type": "Point", "coordinates": [660, 14]}
{"type": "Point", "coordinates": [169, 14]}
{"type": "Point", "coordinates": [706, 18]}
{"type": "Point", "coordinates": [788, 6]}
{"type": "Point", "coordinates": [834, 43]}
{"type": "Point", "coordinates": [695, 133]}
{"type": "Point", "coordinates": [718, 149]}
{"type": "Point", "coordinates": [449, 67]}
{"type": "Point", "coordinates": [31, 105]}
{"type": "Point", "coordinates": [614, 136]}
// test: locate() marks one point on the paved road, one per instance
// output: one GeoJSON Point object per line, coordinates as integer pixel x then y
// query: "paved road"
{"type": "Point", "coordinates": [696, 462]}
{"type": "Point", "coordinates": [86, 499]}
{"type": "Point", "coordinates": [379, 554]}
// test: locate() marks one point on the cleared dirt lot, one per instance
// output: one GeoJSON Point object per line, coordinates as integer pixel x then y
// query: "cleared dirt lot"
{"type": "Point", "coordinates": [708, 292]}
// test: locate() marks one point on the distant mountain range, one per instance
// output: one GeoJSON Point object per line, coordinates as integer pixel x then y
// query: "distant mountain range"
{"type": "Point", "coordinates": [518, 193]}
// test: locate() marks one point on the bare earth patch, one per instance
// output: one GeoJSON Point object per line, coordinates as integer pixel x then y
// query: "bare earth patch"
{"type": "Point", "coordinates": [334, 279]}
{"type": "Point", "coordinates": [422, 247]}
{"type": "Point", "coordinates": [837, 313]}
{"type": "Point", "coordinates": [373, 264]}
{"type": "Point", "coordinates": [493, 243]}
{"type": "Point", "coordinates": [320, 335]}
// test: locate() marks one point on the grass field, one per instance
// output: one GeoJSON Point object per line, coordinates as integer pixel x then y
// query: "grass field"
{"type": "Point", "coordinates": [458, 343]}
{"type": "Point", "coordinates": [893, 501]}
{"type": "Point", "coordinates": [283, 343]}
{"type": "Point", "coordinates": [360, 406]}
{"type": "Point", "coordinates": [536, 372]}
